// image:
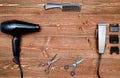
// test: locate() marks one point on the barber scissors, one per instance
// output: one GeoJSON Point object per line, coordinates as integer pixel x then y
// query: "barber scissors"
{"type": "Point", "coordinates": [49, 63]}
{"type": "Point", "coordinates": [74, 65]}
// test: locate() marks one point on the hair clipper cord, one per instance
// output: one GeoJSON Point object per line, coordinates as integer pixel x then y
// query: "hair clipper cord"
{"type": "Point", "coordinates": [98, 66]}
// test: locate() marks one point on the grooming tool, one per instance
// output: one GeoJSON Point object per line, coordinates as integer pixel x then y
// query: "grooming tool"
{"type": "Point", "coordinates": [114, 50]}
{"type": "Point", "coordinates": [74, 65]}
{"type": "Point", "coordinates": [114, 27]}
{"type": "Point", "coordinates": [101, 38]}
{"type": "Point", "coordinates": [17, 29]}
{"type": "Point", "coordinates": [114, 39]}
{"type": "Point", "coordinates": [64, 7]}
{"type": "Point", "coordinates": [49, 63]}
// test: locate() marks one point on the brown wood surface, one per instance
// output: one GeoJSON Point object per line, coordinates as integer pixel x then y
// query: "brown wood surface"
{"type": "Point", "coordinates": [68, 34]}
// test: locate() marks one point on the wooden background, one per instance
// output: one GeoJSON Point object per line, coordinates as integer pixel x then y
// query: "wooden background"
{"type": "Point", "coordinates": [68, 34]}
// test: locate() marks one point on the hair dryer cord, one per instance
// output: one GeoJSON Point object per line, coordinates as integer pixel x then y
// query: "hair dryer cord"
{"type": "Point", "coordinates": [21, 72]}
{"type": "Point", "coordinates": [19, 66]}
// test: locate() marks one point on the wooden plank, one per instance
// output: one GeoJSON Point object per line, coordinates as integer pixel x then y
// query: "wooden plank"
{"type": "Point", "coordinates": [73, 25]}
{"type": "Point", "coordinates": [64, 18]}
{"type": "Point", "coordinates": [39, 45]}
{"type": "Point", "coordinates": [84, 2]}
{"type": "Point", "coordinates": [39, 1]}
{"type": "Point", "coordinates": [94, 7]}
{"type": "Point", "coordinates": [33, 69]}
{"type": "Point", "coordinates": [37, 9]}
{"type": "Point", "coordinates": [66, 47]}
{"type": "Point", "coordinates": [101, 2]}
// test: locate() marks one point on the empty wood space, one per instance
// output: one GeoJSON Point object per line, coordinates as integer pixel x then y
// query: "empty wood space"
{"type": "Point", "coordinates": [68, 34]}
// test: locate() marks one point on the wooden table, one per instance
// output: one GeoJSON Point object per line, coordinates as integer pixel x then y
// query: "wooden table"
{"type": "Point", "coordinates": [68, 34]}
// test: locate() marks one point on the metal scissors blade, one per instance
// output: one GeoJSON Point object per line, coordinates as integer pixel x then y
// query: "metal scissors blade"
{"type": "Point", "coordinates": [79, 60]}
{"type": "Point", "coordinates": [54, 60]}
{"type": "Point", "coordinates": [53, 57]}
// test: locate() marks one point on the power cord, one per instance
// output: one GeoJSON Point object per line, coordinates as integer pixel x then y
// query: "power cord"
{"type": "Point", "coordinates": [17, 61]}
{"type": "Point", "coordinates": [98, 67]}
{"type": "Point", "coordinates": [21, 72]}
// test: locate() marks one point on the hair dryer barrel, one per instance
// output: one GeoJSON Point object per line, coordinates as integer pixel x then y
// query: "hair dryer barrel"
{"type": "Point", "coordinates": [15, 27]}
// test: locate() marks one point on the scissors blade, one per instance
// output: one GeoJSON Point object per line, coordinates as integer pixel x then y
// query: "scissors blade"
{"type": "Point", "coordinates": [78, 60]}
{"type": "Point", "coordinates": [55, 60]}
{"type": "Point", "coordinates": [53, 57]}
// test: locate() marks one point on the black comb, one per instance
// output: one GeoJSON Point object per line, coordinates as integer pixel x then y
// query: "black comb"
{"type": "Point", "coordinates": [71, 7]}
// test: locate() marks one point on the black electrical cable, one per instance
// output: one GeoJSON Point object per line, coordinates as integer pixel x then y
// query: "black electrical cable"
{"type": "Point", "coordinates": [17, 61]}
{"type": "Point", "coordinates": [21, 72]}
{"type": "Point", "coordinates": [98, 67]}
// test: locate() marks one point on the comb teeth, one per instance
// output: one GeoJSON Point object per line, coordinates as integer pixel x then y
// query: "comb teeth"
{"type": "Point", "coordinates": [71, 8]}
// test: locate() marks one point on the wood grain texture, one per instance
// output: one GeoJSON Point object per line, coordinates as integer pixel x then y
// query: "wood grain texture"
{"type": "Point", "coordinates": [68, 34]}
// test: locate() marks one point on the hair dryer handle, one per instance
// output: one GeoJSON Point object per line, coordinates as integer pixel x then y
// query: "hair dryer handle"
{"type": "Point", "coordinates": [16, 49]}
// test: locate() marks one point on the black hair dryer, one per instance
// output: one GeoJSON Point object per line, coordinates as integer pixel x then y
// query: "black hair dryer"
{"type": "Point", "coordinates": [16, 29]}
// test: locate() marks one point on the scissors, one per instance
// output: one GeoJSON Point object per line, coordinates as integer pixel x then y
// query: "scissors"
{"type": "Point", "coordinates": [49, 63]}
{"type": "Point", "coordinates": [74, 65]}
